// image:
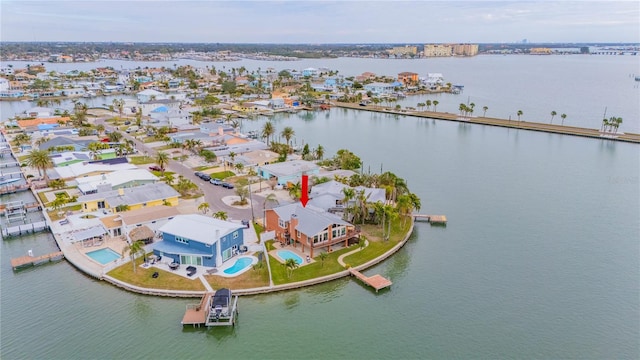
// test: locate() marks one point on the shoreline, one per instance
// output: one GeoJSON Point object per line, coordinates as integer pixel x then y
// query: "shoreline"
{"type": "Point", "coordinates": [505, 123]}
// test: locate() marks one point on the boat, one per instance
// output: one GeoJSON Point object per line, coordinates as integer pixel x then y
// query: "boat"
{"type": "Point", "coordinates": [223, 308]}
{"type": "Point", "coordinates": [8, 181]}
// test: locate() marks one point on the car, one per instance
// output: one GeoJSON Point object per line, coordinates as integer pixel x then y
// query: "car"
{"type": "Point", "coordinates": [215, 181]}
{"type": "Point", "coordinates": [205, 177]}
{"type": "Point", "coordinates": [227, 185]}
{"type": "Point", "coordinates": [198, 174]}
{"type": "Point", "coordinates": [363, 104]}
{"type": "Point", "coordinates": [127, 122]}
{"type": "Point", "coordinates": [155, 168]}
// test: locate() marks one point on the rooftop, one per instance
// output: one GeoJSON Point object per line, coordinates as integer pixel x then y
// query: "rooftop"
{"type": "Point", "coordinates": [199, 228]}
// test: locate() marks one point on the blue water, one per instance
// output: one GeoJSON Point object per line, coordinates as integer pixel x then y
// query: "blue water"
{"type": "Point", "coordinates": [240, 265]}
{"type": "Point", "coordinates": [286, 254]}
{"type": "Point", "coordinates": [104, 256]}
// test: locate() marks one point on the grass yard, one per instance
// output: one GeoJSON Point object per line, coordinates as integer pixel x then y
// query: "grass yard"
{"type": "Point", "coordinates": [221, 175]}
{"type": "Point", "coordinates": [308, 271]}
{"type": "Point", "coordinates": [256, 277]}
{"type": "Point", "coordinates": [166, 280]}
{"type": "Point", "coordinates": [377, 246]}
{"type": "Point", "coordinates": [141, 160]}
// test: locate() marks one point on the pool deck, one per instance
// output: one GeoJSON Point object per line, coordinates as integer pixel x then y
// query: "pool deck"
{"type": "Point", "coordinates": [303, 256]}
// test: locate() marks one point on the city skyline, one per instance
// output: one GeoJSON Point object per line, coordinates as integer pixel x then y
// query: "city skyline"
{"type": "Point", "coordinates": [321, 21]}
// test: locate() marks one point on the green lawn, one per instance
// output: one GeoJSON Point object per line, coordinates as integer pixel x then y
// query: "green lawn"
{"type": "Point", "coordinates": [376, 246]}
{"type": "Point", "coordinates": [258, 276]}
{"type": "Point", "coordinates": [221, 175]}
{"type": "Point", "coordinates": [308, 271]}
{"type": "Point", "coordinates": [141, 160]}
{"type": "Point", "coordinates": [142, 277]}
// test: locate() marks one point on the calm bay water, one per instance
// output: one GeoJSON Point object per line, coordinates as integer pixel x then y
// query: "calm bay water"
{"type": "Point", "coordinates": [539, 260]}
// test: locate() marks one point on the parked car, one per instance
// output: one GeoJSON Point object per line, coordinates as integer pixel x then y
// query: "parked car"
{"type": "Point", "coordinates": [198, 174]}
{"type": "Point", "coordinates": [127, 122]}
{"type": "Point", "coordinates": [227, 185]}
{"type": "Point", "coordinates": [205, 177]}
{"type": "Point", "coordinates": [155, 168]}
{"type": "Point", "coordinates": [216, 181]}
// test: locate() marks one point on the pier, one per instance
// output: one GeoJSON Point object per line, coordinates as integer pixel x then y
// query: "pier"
{"type": "Point", "coordinates": [13, 189]}
{"type": "Point", "coordinates": [25, 229]}
{"type": "Point", "coordinates": [377, 282]}
{"type": "Point", "coordinates": [215, 309]}
{"type": "Point", "coordinates": [30, 260]}
{"type": "Point", "coordinates": [514, 124]}
{"type": "Point", "coordinates": [433, 219]}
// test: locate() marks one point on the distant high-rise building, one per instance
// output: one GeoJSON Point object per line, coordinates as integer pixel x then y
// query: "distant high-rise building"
{"type": "Point", "coordinates": [465, 49]}
{"type": "Point", "coordinates": [437, 50]}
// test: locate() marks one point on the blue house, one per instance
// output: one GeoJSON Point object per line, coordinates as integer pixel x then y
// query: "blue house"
{"type": "Point", "coordinates": [288, 172]}
{"type": "Point", "coordinates": [199, 240]}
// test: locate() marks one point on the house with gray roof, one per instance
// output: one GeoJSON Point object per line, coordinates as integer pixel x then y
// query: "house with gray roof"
{"type": "Point", "coordinates": [288, 172]}
{"type": "Point", "coordinates": [131, 198]}
{"type": "Point", "coordinates": [199, 240]}
{"type": "Point", "coordinates": [310, 227]}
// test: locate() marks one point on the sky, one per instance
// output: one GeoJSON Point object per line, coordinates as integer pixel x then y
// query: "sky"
{"type": "Point", "coordinates": [318, 22]}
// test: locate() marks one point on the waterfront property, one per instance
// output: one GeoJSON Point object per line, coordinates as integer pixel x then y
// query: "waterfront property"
{"type": "Point", "coordinates": [308, 226]}
{"type": "Point", "coordinates": [132, 198]}
{"type": "Point", "coordinates": [199, 240]}
{"type": "Point", "coordinates": [218, 309]}
{"type": "Point", "coordinates": [288, 172]}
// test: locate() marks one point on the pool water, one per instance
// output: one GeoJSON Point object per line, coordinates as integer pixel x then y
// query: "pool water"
{"type": "Point", "coordinates": [240, 265]}
{"type": "Point", "coordinates": [104, 256]}
{"type": "Point", "coordinates": [286, 254]}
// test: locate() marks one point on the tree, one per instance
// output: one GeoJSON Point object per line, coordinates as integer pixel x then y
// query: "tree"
{"type": "Point", "coordinates": [242, 192]}
{"type": "Point", "coordinates": [134, 248]}
{"type": "Point", "coordinates": [122, 207]}
{"type": "Point", "coordinates": [168, 178]}
{"type": "Point", "coordinates": [100, 129]}
{"type": "Point", "coordinates": [291, 265]}
{"type": "Point", "coordinates": [319, 152]}
{"type": "Point", "coordinates": [221, 215]}
{"type": "Point", "coordinates": [323, 255]}
{"type": "Point", "coordinates": [288, 133]}
{"type": "Point", "coordinates": [268, 130]}
{"type": "Point", "coordinates": [295, 191]}
{"type": "Point", "coordinates": [553, 114]}
{"type": "Point", "coordinates": [119, 105]}
{"type": "Point", "coordinates": [22, 138]}
{"type": "Point", "coordinates": [40, 160]}
{"type": "Point", "coordinates": [563, 116]}
{"type": "Point", "coordinates": [435, 105]}
{"type": "Point", "coordinates": [95, 149]}
{"type": "Point", "coordinates": [162, 159]}
{"type": "Point", "coordinates": [204, 207]}
{"type": "Point", "coordinates": [115, 137]}
{"type": "Point", "coordinates": [484, 109]}
{"type": "Point", "coordinates": [519, 114]}
{"type": "Point", "coordinates": [428, 104]}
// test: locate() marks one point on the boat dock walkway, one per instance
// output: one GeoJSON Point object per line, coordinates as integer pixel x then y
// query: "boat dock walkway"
{"type": "Point", "coordinates": [433, 219]}
{"type": "Point", "coordinates": [13, 189]}
{"type": "Point", "coordinates": [376, 281]}
{"type": "Point", "coordinates": [35, 260]}
{"type": "Point", "coordinates": [507, 123]}
{"type": "Point", "coordinates": [25, 229]}
{"type": "Point", "coordinates": [196, 314]}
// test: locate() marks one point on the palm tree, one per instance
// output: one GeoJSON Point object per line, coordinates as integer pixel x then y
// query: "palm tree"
{"type": "Point", "coordinates": [319, 151]}
{"type": "Point", "coordinates": [168, 178]}
{"type": "Point", "coordinates": [115, 136]}
{"type": "Point", "coordinates": [162, 159]}
{"type": "Point", "coordinates": [135, 248]}
{"type": "Point", "coordinates": [435, 105]}
{"type": "Point", "coordinates": [268, 130]}
{"type": "Point", "coordinates": [295, 191]}
{"type": "Point", "coordinates": [288, 133]}
{"type": "Point", "coordinates": [204, 207]}
{"type": "Point", "coordinates": [563, 116]}
{"type": "Point", "coordinates": [291, 265]}
{"type": "Point", "coordinates": [40, 160]}
{"type": "Point", "coordinates": [519, 114]}
{"type": "Point", "coordinates": [323, 255]}
{"type": "Point", "coordinates": [428, 103]}
{"type": "Point", "coordinates": [100, 128]}
{"type": "Point", "coordinates": [119, 104]}
{"type": "Point", "coordinates": [485, 108]}
{"type": "Point", "coordinates": [221, 215]}
{"type": "Point", "coordinates": [553, 114]}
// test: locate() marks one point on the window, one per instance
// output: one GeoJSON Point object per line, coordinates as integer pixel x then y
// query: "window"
{"type": "Point", "coordinates": [297, 234]}
{"type": "Point", "coordinates": [182, 240]}
{"type": "Point", "coordinates": [283, 224]}
{"type": "Point", "coordinates": [235, 234]}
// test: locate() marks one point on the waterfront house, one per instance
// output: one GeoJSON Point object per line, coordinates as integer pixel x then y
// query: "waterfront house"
{"type": "Point", "coordinates": [162, 105]}
{"type": "Point", "coordinates": [289, 172]}
{"type": "Point", "coordinates": [76, 144]}
{"type": "Point", "coordinates": [115, 180]}
{"type": "Point", "coordinates": [149, 95]}
{"type": "Point", "coordinates": [330, 195]}
{"type": "Point", "coordinates": [199, 240]}
{"type": "Point", "coordinates": [153, 218]}
{"type": "Point", "coordinates": [310, 227]}
{"type": "Point", "coordinates": [379, 88]}
{"type": "Point", "coordinates": [143, 196]}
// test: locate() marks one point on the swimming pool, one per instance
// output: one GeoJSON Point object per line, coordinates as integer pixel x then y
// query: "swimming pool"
{"type": "Point", "coordinates": [286, 254]}
{"type": "Point", "coordinates": [104, 256]}
{"type": "Point", "coordinates": [240, 265]}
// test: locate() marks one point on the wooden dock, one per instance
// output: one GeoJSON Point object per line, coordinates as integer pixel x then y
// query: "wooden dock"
{"type": "Point", "coordinates": [433, 219]}
{"type": "Point", "coordinates": [25, 229]}
{"type": "Point", "coordinates": [13, 189]}
{"type": "Point", "coordinates": [35, 260]}
{"type": "Point", "coordinates": [376, 281]}
{"type": "Point", "coordinates": [196, 314]}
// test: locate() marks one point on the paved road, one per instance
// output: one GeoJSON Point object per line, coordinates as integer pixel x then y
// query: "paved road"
{"type": "Point", "coordinates": [212, 194]}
